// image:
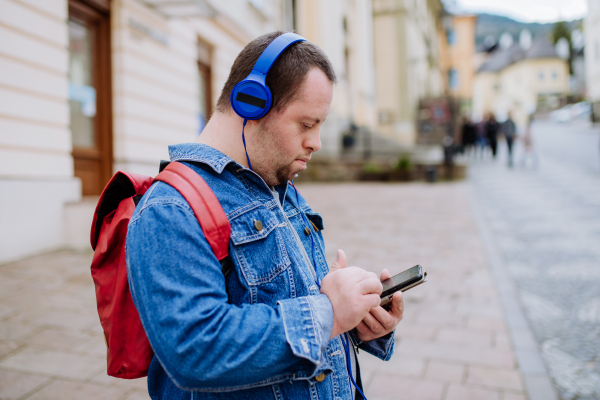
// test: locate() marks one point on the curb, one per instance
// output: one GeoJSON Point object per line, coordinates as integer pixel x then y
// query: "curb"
{"type": "Point", "coordinates": [538, 383]}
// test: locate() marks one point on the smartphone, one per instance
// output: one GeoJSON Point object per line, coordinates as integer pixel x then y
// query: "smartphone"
{"type": "Point", "coordinates": [403, 281]}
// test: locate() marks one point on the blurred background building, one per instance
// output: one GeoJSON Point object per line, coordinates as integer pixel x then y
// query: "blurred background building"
{"type": "Point", "coordinates": [408, 63]}
{"type": "Point", "coordinates": [520, 77]}
{"type": "Point", "coordinates": [460, 36]}
{"type": "Point", "coordinates": [89, 87]}
{"type": "Point", "coordinates": [592, 55]}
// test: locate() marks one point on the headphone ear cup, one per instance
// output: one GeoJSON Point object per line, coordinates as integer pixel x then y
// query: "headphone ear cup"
{"type": "Point", "coordinates": [250, 99]}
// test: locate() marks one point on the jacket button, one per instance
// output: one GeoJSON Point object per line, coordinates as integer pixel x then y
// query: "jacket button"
{"type": "Point", "coordinates": [258, 225]}
{"type": "Point", "coordinates": [306, 231]}
{"type": "Point", "coordinates": [320, 377]}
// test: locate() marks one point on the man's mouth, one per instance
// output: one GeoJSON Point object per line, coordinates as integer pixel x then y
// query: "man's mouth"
{"type": "Point", "coordinates": [303, 160]}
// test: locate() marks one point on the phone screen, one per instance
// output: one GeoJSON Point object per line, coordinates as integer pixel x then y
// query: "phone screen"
{"type": "Point", "coordinates": [408, 275]}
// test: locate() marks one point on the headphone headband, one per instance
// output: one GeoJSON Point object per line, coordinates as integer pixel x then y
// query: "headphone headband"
{"type": "Point", "coordinates": [274, 50]}
{"type": "Point", "coordinates": [251, 98]}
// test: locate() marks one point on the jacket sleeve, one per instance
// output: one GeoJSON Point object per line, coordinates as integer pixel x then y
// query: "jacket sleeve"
{"type": "Point", "coordinates": [203, 342]}
{"type": "Point", "coordinates": [382, 348]}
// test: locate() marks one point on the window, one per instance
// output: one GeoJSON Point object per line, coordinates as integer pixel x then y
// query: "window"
{"type": "Point", "coordinates": [453, 79]}
{"type": "Point", "coordinates": [451, 36]}
{"type": "Point", "coordinates": [541, 75]}
{"type": "Point", "coordinates": [204, 85]}
{"type": "Point", "coordinates": [89, 93]}
{"type": "Point", "coordinates": [554, 75]}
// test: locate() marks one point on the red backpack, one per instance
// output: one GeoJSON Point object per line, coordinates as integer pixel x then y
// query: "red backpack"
{"type": "Point", "coordinates": [128, 350]}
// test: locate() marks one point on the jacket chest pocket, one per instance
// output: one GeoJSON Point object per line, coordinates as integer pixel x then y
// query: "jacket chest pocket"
{"type": "Point", "coordinates": [259, 246]}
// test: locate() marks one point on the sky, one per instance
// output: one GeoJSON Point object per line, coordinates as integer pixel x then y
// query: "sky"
{"type": "Point", "coordinates": [527, 10]}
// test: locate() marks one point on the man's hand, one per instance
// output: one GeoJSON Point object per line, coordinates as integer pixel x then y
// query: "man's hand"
{"type": "Point", "coordinates": [352, 292]}
{"type": "Point", "coordinates": [379, 322]}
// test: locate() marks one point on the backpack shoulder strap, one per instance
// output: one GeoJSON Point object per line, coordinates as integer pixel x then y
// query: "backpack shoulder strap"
{"type": "Point", "coordinates": [204, 203]}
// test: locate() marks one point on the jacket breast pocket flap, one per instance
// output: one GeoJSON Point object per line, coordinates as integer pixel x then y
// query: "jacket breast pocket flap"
{"type": "Point", "coordinates": [316, 219]}
{"type": "Point", "coordinates": [258, 245]}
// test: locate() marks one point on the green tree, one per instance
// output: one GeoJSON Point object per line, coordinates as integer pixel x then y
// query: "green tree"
{"type": "Point", "coordinates": [561, 30]}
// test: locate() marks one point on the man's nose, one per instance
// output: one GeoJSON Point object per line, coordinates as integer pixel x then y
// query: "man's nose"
{"type": "Point", "coordinates": [313, 141]}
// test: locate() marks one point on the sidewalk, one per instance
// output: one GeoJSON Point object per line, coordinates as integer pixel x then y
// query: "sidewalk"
{"type": "Point", "coordinates": [452, 343]}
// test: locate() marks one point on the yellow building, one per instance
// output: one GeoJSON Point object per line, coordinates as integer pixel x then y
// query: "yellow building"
{"type": "Point", "coordinates": [520, 79]}
{"type": "Point", "coordinates": [407, 63]}
{"type": "Point", "coordinates": [461, 53]}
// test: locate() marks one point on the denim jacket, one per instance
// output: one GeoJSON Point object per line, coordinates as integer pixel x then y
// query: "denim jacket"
{"type": "Point", "coordinates": [262, 331]}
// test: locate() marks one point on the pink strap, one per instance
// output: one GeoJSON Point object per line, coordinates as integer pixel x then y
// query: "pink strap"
{"type": "Point", "coordinates": [204, 203]}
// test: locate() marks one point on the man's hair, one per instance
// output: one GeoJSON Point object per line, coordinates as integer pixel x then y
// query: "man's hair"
{"type": "Point", "coordinates": [285, 76]}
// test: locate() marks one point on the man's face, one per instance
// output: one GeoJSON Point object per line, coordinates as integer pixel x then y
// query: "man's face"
{"type": "Point", "coordinates": [282, 142]}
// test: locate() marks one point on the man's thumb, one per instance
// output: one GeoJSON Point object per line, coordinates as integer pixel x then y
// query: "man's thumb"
{"type": "Point", "coordinates": [340, 261]}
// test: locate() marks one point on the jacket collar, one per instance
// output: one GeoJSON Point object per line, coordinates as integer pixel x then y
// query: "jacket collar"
{"type": "Point", "coordinates": [198, 152]}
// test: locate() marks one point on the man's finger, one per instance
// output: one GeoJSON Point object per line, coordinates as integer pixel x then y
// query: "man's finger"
{"type": "Point", "coordinates": [374, 325]}
{"type": "Point", "coordinates": [384, 317]}
{"type": "Point", "coordinates": [340, 261]}
{"type": "Point", "coordinates": [373, 300]}
{"type": "Point", "coordinates": [385, 274]}
{"type": "Point", "coordinates": [397, 309]}
{"type": "Point", "coordinates": [371, 285]}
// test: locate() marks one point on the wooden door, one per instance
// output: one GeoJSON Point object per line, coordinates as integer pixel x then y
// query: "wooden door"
{"type": "Point", "coordinates": [90, 93]}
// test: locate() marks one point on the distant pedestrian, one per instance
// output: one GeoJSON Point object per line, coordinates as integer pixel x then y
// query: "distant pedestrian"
{"type": "Point", "coordinates": [528, 148]}
{"type": "Point", "coordinates": [491, 132]}
{"type": "Point", "coordinates": [480, 139]}
{"type": "Point", "coordinates": [468, 135]}
{"type": "Point", "coordinates": [510, 131]}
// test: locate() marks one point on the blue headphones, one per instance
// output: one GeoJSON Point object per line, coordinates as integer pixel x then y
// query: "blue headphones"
{"type": "Point", "coordinates": [251, 98]}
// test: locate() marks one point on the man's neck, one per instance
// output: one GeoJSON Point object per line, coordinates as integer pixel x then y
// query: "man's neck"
{"type": "Point", "coordinates": [224, 133]}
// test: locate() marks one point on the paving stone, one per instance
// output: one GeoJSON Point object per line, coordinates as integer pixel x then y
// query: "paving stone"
{"type": "Point", "coordinates": [7, 347]}
{"type": "Point", "coordinates": [67, 390]}
{"type": "Point", "coordinates": [495, 377]}
{"type": "Point", "coordinates": [460, 392]}
{"type": "Point", "coordinates": [60, 318]}
{"type": "Point", "coordinates": [441, 371]}
{"type": "Point", "coordinates": [14, 330]}
{"type": "Point", "coordinates": [138, 395]}
{"type": "Point", "coordinates": [54, 363]}
{"type": "Point", "coordinates": [57, 339]}
{"type": "Point", "coordinates": [463, 336]}
{"type": "Point", "coordinates": [137, 384]}
{"type": "Point", "coordinates": [513, 396]}
{"type": "Point", "coordinates": [411, 331]}
{"type": "Point", "coordinates": [14, 385]}
{"type": "Point", "coordinates": [453, 352]}
{"type": "Point", "coordinates": [486, 324]}
{"type": "Point", "coordinates": [393, 387]}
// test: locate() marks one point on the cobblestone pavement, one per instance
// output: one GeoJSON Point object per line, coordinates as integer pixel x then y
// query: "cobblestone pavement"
{"type": "Point", "coordinates": [453, 342]}
{"type": "Point", "coordinates": [452, 345]}
{"type": "Point", "coordinates": [546, 224]}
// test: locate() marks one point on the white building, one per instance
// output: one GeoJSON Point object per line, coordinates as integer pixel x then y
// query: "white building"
{"type": "Point", "coordinates": [88, 87]}
{"type": "Point", "coordinates": [408, 63]}
{"type": "Point", "coordinates": [344, 30]}
{"type": "Point", "coordinates": [592, 55]}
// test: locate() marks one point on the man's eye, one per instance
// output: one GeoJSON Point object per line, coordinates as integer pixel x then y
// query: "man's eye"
{"type": "Point", "coordinates": [304, 126]}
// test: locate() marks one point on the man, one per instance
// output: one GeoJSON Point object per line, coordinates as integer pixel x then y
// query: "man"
{"type": "Point", "coordinates": [273, 327]}
{"type": "Point", "coordinates": [491, 132]}
{"type": "Point", "coordinates": [510, 131]}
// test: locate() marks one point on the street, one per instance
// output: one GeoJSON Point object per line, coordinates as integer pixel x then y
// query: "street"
{"type": "Point", "coordinates": [545, 223]}
{"type": "Point", "coordinates": [456, 341]}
